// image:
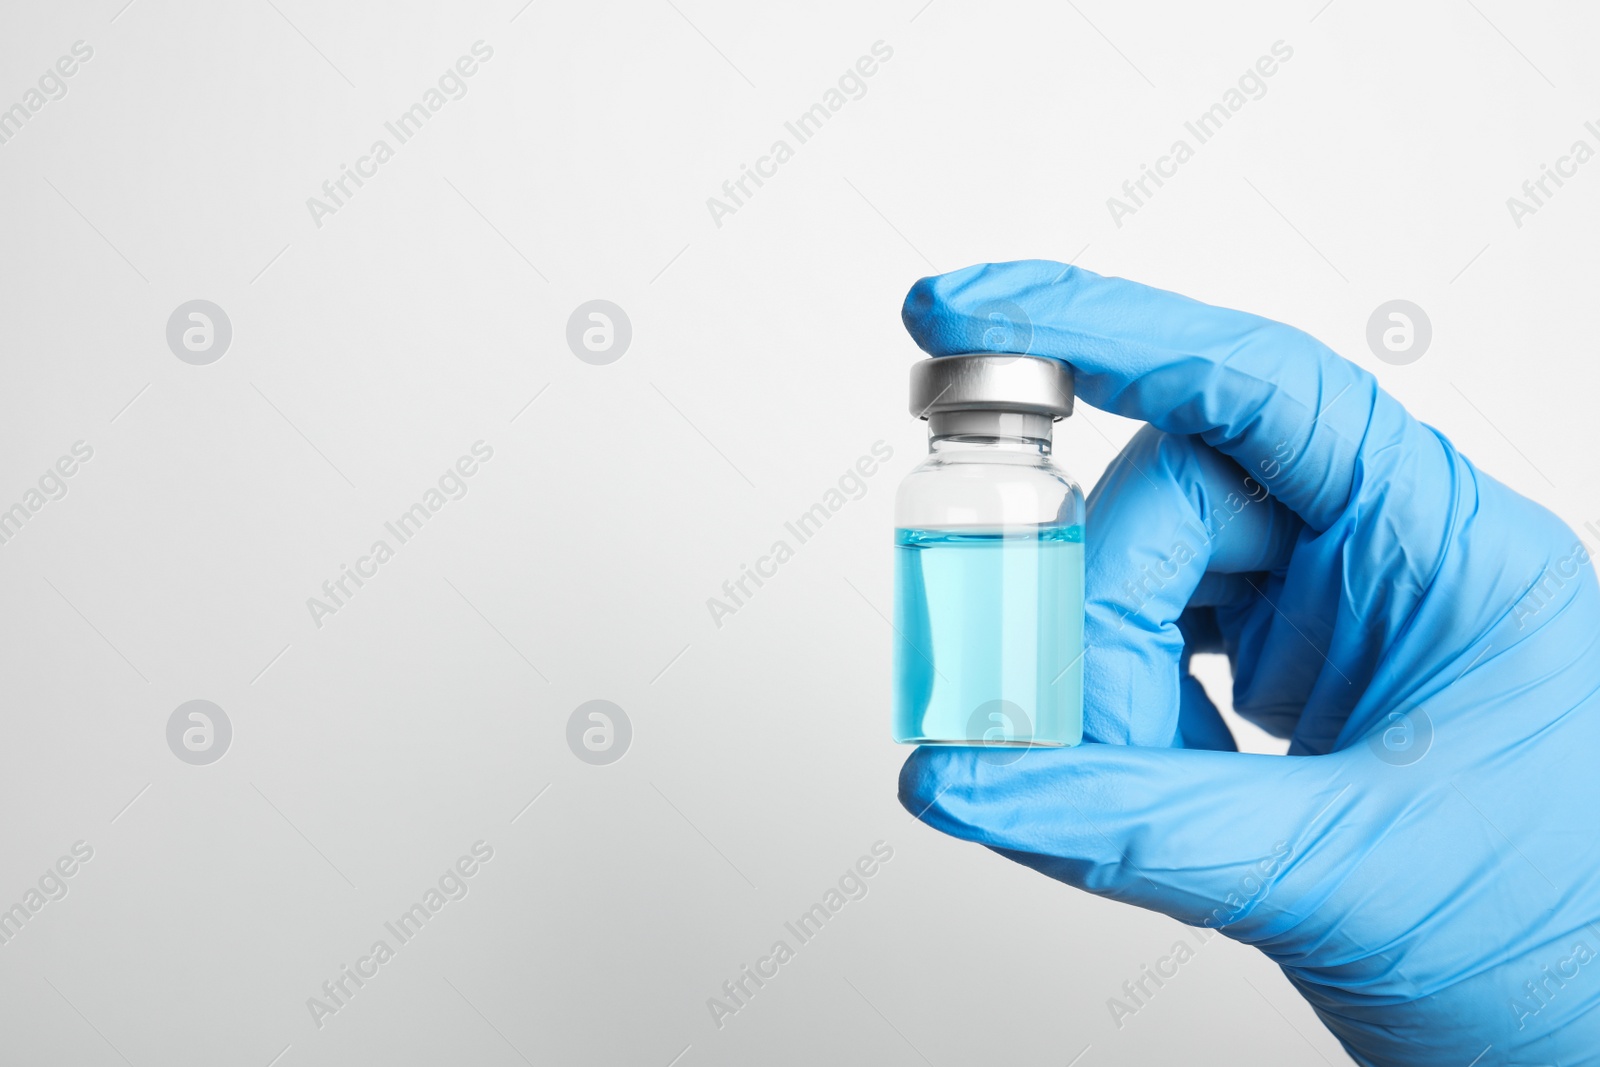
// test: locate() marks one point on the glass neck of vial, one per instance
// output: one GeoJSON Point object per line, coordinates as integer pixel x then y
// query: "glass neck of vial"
{"type": "Point", "coordinates": [959, 431]}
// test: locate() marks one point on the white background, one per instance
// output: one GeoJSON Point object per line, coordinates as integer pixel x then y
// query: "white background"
{"type": "Point", "coordinates": [767, 356]}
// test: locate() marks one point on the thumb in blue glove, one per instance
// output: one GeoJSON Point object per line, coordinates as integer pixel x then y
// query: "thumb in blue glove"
{"type": "Point", "coordinates": [1422, 864]}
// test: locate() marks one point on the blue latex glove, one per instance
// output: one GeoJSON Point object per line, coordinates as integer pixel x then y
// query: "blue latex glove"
{"type": "Point", "coordinates": [1423, 864]}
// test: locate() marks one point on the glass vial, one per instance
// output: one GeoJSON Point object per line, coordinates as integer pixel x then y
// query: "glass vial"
{"type": "Point", "coordinates": [989, 560]}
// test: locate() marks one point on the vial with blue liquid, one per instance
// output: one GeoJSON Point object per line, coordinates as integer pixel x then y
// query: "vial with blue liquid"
{"type": "Point", "coordinates": [989, 560]}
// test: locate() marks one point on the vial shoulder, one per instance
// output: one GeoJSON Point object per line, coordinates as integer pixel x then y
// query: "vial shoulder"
{"type": "Point", "coordinates": [939, 493]}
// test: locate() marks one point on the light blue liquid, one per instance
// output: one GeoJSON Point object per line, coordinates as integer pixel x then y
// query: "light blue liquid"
{"type": "Point", "coordinates": [989, 641]}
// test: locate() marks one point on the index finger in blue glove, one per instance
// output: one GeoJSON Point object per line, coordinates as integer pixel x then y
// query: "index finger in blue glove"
{"type": "Point", "coordinates": [1266, 394]}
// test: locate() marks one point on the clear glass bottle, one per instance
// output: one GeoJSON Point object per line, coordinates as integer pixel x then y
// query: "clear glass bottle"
{"type": "Point", "coordinates": [989, 560]}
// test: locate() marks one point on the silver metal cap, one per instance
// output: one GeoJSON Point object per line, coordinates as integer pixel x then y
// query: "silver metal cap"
{"type": "Point", "coordinates": [962, 394]}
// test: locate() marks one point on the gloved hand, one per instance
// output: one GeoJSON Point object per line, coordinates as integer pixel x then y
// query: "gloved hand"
{"type": "Point", "coordinates": [1423, 864]}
